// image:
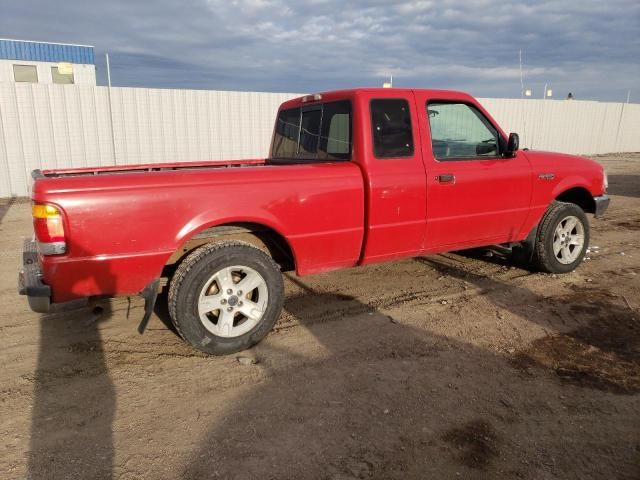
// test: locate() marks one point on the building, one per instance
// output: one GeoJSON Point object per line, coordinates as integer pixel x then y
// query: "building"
{"type": "Point", "coordinates": [23, 61]}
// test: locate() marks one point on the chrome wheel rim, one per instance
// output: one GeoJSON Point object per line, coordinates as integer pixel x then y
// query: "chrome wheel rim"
{"type": "Point", "coordinates": [568, 240]}
{"type": "Point", "coordinates": [233, 301]}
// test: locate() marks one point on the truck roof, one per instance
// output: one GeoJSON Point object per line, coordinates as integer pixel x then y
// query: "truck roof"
{"type": "Point", "coordinates": [373, 92]}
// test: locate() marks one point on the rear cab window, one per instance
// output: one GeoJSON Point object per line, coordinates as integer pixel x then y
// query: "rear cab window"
{"type": "Point", "coordinates": [318, 132]}
{"type": "Point", "coordinates": [459, 131]}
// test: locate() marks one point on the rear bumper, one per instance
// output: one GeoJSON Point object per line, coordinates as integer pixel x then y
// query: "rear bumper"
{"type": "Point", "coordinates": [30, 280]}
{"type": "Point", "coordinates": [31, 285]}
{"type": "Point", "coordinates": [602, 203]}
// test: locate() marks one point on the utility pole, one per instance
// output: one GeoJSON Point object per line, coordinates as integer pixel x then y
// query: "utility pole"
{"type": "Point", "coordinates": [524, 121]}
{"type": "Point", "coordinates": [521, 77]}
{"type": "Point", "coordinates": [113, 136]}
{"type": "Point", "coordinates": [620, 119]}
{"type": "Point", "coordinates": [106, 56]}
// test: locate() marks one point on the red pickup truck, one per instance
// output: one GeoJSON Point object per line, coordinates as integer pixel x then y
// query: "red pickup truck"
{"type": "Point", "coordinates": [353, 177]}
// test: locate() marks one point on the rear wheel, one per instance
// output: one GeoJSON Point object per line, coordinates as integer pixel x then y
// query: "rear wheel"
{"type": "Point", "coordinates": [562, 238]}
{"type": "Point", "coordinates": [225, 297]}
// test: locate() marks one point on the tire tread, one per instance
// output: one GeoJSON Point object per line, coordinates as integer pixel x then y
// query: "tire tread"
{"type": "Point", "coordinates": [190, 262]}
{"type": "Point", "coordinates": [542, 258]}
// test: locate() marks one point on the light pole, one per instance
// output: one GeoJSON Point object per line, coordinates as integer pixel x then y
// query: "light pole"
{"type": "Point", "coordinates": [106, 56]}
{"type": "Point", "coordinates": [521, 77]}
{"type": "Point", "coordinates": [113, 135]}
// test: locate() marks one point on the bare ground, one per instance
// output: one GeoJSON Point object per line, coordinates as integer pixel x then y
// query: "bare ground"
{"type": "Point", "coordinates": [452, 366]}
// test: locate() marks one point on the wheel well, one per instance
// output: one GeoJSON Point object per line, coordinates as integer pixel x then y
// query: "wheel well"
{"type": "Point", "coordinates": [262, 237]}
{"type": "Point", "coordinates": [579, 196]}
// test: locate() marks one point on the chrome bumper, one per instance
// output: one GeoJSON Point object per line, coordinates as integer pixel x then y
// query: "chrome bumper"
{"type": "Point", "coordinates": [602, 203]}
{"type": "Point", "coordinates": [30, 280]}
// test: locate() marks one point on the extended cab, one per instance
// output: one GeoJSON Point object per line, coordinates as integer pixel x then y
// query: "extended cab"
{"type": "Point", "coordinates": [353, 177]}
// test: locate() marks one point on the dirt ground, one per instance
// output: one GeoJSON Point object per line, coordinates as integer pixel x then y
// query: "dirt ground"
{"type": "Point", "coordinates": [452, 366]}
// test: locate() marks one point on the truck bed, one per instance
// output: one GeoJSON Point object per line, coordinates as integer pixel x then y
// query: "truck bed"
{"type": "Point", "coordinates": [122, 229]}
{"type": "Point", "coordinates": [145, 167]}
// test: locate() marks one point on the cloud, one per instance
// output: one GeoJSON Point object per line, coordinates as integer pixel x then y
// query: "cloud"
{"type": "Point", "coordinates": [591, 48]}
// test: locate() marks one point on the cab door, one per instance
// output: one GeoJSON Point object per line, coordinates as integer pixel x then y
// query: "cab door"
{"type": "Point", "coordinates": [394, 174]}
{"type": "Point", "coordinates": [475, 195]}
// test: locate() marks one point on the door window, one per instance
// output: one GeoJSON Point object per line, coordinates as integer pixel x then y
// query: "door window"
{"type": "Point", "coordinates": [391, 125]}
{"type": "Point", "coordinates": [459, 132]}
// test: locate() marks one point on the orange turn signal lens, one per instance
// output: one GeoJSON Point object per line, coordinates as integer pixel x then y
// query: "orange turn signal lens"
{"type": "Point", "coordinates": [44, 211]}
{"type": "Point", "coordinates": [48, 227]}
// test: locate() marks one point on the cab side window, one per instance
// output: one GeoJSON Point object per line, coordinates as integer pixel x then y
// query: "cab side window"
{"type": "Point", "coordinates": [335, 138]}
{"type": "Point", "coordinates": [460, 132]}
{"type": "Point", "coordinates": [391, 128]}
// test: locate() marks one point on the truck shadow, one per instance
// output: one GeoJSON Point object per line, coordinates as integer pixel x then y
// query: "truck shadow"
{"type": "Point", "coordinates": [495, 255]}
{"type": "Point", "coordinates": [594, 341]}
{"type": "Point", "coordinates": [5, 206]}
{"type": "Point", "coordinates": [74, 398]}
{"type": "Point", "coordinates": [350, 412]}
{"type": "Point", "coordinates": [373, 397]}
{"type": "Point", "coordinates": [365, 395]}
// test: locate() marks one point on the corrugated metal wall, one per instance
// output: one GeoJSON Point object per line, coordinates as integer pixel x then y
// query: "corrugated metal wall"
{"type": "Point", "coordinates": [49, 126]}
{"type": "Point", "coordinates": [577, 127]}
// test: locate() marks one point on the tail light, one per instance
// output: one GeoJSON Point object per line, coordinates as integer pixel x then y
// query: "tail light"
{"type": "Point", "coordinates": [49, 229]}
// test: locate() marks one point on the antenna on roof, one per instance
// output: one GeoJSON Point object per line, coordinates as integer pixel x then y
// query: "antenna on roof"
{"type": "Point", "coordinates": [388, 84]}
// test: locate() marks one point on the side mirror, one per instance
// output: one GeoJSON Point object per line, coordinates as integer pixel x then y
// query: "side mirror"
{"type": "Point", "coordinates": [512, 145]}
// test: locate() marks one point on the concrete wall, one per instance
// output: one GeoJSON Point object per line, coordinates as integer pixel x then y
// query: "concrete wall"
{"type": "Point", "coordinates": [50, 126]}
{"type": "Point", "coordinates": [82, 74]}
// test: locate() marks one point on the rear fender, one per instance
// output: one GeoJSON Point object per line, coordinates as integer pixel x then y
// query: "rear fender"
{"type": "Point", "coordinates": [263, 236]}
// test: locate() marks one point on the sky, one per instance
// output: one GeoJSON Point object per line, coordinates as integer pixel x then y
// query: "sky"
{"type": "Point", "coordinates": [589, 48]}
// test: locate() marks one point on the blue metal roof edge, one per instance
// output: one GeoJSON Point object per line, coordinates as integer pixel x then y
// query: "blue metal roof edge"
{"type": "Point", "coordinates": [45, 52]}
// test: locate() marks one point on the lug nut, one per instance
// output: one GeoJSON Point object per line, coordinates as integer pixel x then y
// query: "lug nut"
{"type": "Point", "coordinates": [223, 301]}
{"type": "Point", "coordinates": [240, 303]}
{"type": "Point", "coordinates": [229, 309]}
{"type": "Point", "coordinates": [239, 292]}
{"type": "Point", "coordinates": [229, 291]}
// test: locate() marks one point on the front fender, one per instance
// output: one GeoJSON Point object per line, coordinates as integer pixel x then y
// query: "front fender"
{"type": "Point", "coordinates": [568, 183]}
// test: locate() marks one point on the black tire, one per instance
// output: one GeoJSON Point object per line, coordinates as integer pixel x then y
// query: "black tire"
{"type": "Point", "coordinates": [543, 254]}
{"type": "Point", "coordinates": [192, 275]}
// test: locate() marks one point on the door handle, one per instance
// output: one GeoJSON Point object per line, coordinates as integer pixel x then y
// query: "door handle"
{"type": "Point", "coordinates": [447, 178]}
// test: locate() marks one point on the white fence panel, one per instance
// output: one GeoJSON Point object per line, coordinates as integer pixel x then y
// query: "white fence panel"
{"type": "Point", "coordinates": [51, 126]}
{"type": "Point", "coordinates": [184, 125]}
{"type": "Point", "coordinates": [576, 127]}
{"type": "Point", "coordinates": [629, 132]}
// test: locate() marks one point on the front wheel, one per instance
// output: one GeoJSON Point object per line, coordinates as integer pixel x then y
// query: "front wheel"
{"type": "Point", "coordinates": [225, 297]}
{"type": "Point", "coordinates": [562, 238]}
